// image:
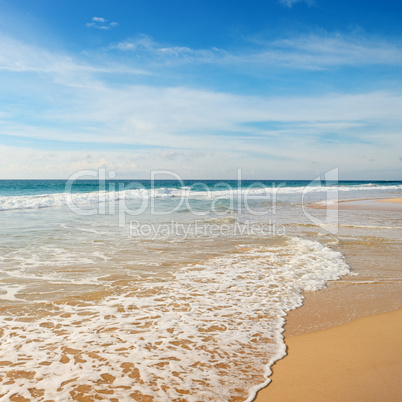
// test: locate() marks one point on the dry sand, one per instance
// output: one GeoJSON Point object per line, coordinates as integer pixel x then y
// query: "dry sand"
{"type": "Point", "coordinates": [359, 361]}
{"type": "Point", "coordinates": [397, 200]}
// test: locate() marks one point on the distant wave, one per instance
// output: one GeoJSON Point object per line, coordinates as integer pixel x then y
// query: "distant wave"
{"type": "Point", "coordinates": [60, 199]}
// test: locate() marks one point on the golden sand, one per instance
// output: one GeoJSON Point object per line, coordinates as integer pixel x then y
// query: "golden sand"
{"type": "Point", "coordinates": [359, 361]}
{"type": "Point", "coordinates": [397, 200]}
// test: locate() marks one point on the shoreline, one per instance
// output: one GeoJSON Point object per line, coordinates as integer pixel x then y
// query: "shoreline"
{"type": "Point", "coordinates": [359, 317]}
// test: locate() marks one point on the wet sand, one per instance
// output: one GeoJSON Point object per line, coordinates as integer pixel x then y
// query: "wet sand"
{"type": "Point", "coordinates": [359, 361]}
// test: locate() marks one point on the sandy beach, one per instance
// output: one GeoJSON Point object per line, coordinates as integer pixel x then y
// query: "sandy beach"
{"type": "Point", "coordinates": [359, 361]}
{"type": "Point", "coordinates": [338, 345]}
{"type": "Point", "coordinates": [394, 200]}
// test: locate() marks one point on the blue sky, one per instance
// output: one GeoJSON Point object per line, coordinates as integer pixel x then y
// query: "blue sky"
{"type": "Point", "coordinates": [282, 89]}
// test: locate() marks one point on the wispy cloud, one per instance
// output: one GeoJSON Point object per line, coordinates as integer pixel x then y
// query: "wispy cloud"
{"type": "Point", "coordinates": [309, 52]}
{"type": "Point", "coordinates": [99, 19]}
{"type": "Point", "coordinates": [153, 115]}
{"type": "Point", "coordinates": [291, 3]}
{"type": "Point", "coordinates": [145, 45]}
{"type": "Point", "coordinates": [19, 57]}
{"type": "Point", "coordinates": [194, 119]}
{"type": "Point", "coordinates": [179, 122]}
{"type": "Point", "coordinates": [322, 51]}
{"type": "Point", "coordinates": [101, 23]}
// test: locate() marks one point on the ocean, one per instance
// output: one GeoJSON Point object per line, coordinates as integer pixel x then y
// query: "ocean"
{"type": "Point", "coordinates": [163, 290]}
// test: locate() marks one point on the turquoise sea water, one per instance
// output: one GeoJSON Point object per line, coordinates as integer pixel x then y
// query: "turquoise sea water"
{"type": "Point", "coordinates": [40, 187]}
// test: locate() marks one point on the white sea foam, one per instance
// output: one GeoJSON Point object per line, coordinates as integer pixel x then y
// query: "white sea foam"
{"type": "Point", "coordinates": [10, 292]}
{"type": "Point", "coordinates": [203, 332]}
{"type": "Point", "coordinates": [52, 200]}
{"type": "Point", "coordinates": [370, 227]}
{"type": "Point", "coordinates": [326, 202]}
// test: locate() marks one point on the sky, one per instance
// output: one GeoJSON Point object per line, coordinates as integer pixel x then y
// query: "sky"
{"type": "Point", "coordinates": [282, 89]}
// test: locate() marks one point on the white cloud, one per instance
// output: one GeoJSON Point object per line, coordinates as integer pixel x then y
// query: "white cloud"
{"type": "Point", "coordinates": [174, 125]}
{"type": "Point", "coordinates": [291, 3]}
{"type": "Point", "coordinates": [101, 23]}
{"type": "Point", "coordinates": [287, 158]}
{"type": "Point", "coordinates": [309, 52]}
{"type": "Point", "coordinates": [18, 57]}
{"type": "Point", "coordinates": [141, 42]}
{"type": "Point", "coordinates": [322, 51]}
{"type": "Point", "coordinates": [99, 19]}
{"type": "Point", "coordinates": [176, 50]}
{"type": "Point", "coordinates": [27, 163]}
{"type": "Point", "coordinates": [146, 45]}
{"type": "Point", "coordinates": [148, 110]}
{"type": "Point", "coordinates": [194, 119]}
